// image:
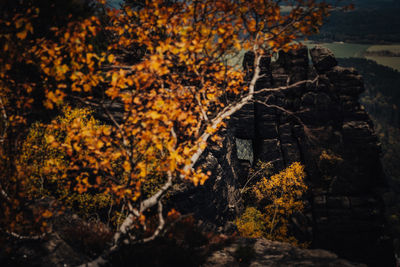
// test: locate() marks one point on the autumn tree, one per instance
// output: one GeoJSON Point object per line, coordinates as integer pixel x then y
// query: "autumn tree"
{"type": "Point", "coordinates": [157, 71]}
{"type": "Point", "coordinates": [278, 197]}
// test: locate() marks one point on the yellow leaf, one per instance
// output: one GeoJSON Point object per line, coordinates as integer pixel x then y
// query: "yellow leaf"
{"type": "Point", "coordinates": [47, 214]}
{"type": "Point", "coordinates": [237, 46]}
{"type": "Point", "coordinates": [99, 144]}
{"type": "Point", "coordinates": [19, 23]}
{"type": "Point", "coordinates": [29, 27]}
{"type": "Point", "coordinates": [221, 30]}
{"type": "Point", "coordinates": [114, 79]}
{"type": "Point", "coordinates": [186, 151]}
{"type": "Point", "coordinates": [154, 115]}
{"type": "Point", "coordinates": [127, 166]}
{"type": "Point", "coordinates": [22, 35]}
{"type": "Point", "coordinates": [210, 96]}
{"type": "Point", "coordinates": [50, 139]}
{"type": "Point", "coordinates": [203, 146]}
{"type": "Point", "coordinates": [86, 87]}
{"type": "Point", "coordinates": [106, 131]}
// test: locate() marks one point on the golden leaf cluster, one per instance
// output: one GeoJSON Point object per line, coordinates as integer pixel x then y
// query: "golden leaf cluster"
{"type": "Point", "coordinates": [281, 197]}
{"type": "Point", "coordinates": [163, 64]}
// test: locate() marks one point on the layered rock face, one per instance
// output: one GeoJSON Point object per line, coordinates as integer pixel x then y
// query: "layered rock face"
{"type": "Point", "coordinates": [215, 204]}
{"type": "Point", "coordinates": [262, 252]}
{"type": "Point", "coordinates": [321, 124]}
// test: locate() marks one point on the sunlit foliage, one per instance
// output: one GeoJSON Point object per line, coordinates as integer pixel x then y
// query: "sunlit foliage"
{"type": "Point", "coordinates": [45, 165]}
{"type": "Point", "coordinates": [279, 196]}
{"type": "Point", "coordinates": [251, 223]}
{"type": "Point", "coordinates": [162, 62]}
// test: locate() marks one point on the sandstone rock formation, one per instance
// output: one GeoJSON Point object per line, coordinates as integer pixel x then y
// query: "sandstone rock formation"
{"type": "Point", "coordinates": [323, 126]}
{"type": "Point", "coordinates": [320, 124]}
{"type": "Point", "coordinates": [217, 202]}
{"type": "Point", "coordinates": [262, 252]}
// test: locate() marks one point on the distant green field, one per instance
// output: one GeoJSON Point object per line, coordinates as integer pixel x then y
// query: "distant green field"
{"type": "Point", "coordinates": [347, 50]}
{"type": "Point", "coordinates": [343, 50]}
{"type": "Point", "coordinates": [392, 62]}
{"type": "Point", "coordinates": [391, 48]}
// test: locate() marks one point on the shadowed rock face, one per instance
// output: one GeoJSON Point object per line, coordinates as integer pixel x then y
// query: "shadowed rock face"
{"type": "Point", "coordinates": [323, 126]}
{"type": "Point", "coordinates": [262, 252]}
{"type": "Point", "coordinates": [323, 59]}
{"type": "Point", "coordinates": [215, 204]}
{"type": "Point", "coordinates": [320, 124]}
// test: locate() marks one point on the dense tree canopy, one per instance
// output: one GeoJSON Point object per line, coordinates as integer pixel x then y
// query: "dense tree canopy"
{"type": "Point", "coordinates": [163, 63]}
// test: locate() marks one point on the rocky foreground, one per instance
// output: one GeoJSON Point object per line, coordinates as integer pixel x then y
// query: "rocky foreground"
{"type": "Point", "coordinates": [263, 252]}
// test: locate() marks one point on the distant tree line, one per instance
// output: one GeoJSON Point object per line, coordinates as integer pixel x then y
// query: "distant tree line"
{"type": "Point", "coordinates": [382, 101]}
{"type": "Point", "coordinates": [363, 25]}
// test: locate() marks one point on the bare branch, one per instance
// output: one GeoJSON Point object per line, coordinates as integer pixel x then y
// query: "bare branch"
{"type": "Point", "coordinates": [124, 67]}
{"type": "Point", "coordinates": [161, 224]}
{"type": "Point", "coordinates": [153, 200]}
{"type": "Point", "coordinates": [5, 118]}
{"type": "Point", "coordinates": [251, 178]}
{"type": "Point", "coordinates": [197, 96]}
{"type": "Point", "coordinates": [133, 210]}
{"type": "Point", "coordinates": [281, 88]}
{"type": "Point", "coordinates": [82, 100]}
{"type": "Point", "coordinates": [123, 230]}
{"type": "Point", "coordinates": [306, 129]}
{"type": "Point", "coordinates": [4, 194]}
{"type": "Point", "coordinates": [25, 237]}
{"type": "Point", "coordinates": [116, 124]}
{"type": "Point", "coordinates": [203, 113]}
{"type": "Point", "coordinates": [126, 226]}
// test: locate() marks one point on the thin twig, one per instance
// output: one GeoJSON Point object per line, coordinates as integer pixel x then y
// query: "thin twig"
{"type": "Point", "coordinates": [25, 237]}
{"type": "Point", "coordinates": [5, 118]}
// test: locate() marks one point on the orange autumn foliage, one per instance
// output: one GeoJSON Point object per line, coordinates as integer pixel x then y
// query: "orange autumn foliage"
{"type": "Point", "coordinates": [163, 63]}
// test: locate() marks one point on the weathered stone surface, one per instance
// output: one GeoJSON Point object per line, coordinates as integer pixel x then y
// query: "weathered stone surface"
{"type": "Point", "coordinates": [319, 124]}
{"type": "Point", "coordinates": [268, 150]}
{"type": "Point", "coordinates": [53, 251]}
{"type": "Point", "coordinates": [326, 117]}
{"type": "Point", "coordinates": [242, 122]}
{"type": "Point", "coordinates": [322, 58]}
{"type": "Point", "coordinates": [294, 60]}
{"type": "Point", "coordinates": [262, 252]}
{"type": "Point", "coordinates": [291, 153]}
{"type": "Point", "coordinates": [71, 242]}
{"type": "Point", "coordinates": [218, 201]}
{"type": "Point", "coordinates": [266, 129]}
{"type": "Point", "coordinates": [301, 124]}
